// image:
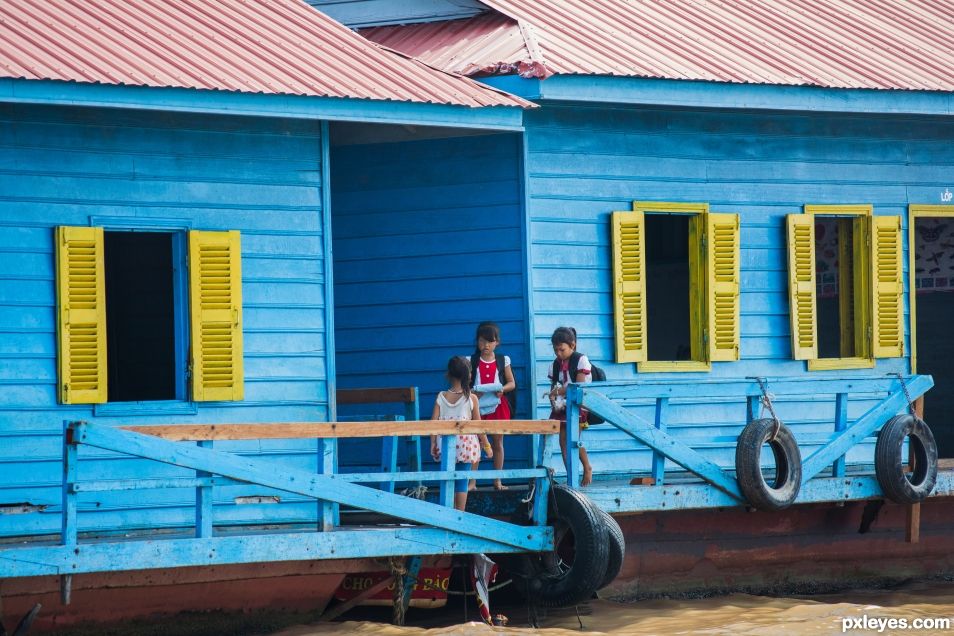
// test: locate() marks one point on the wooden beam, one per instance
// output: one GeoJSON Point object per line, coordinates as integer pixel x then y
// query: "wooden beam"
{"type": "Point", "coordinates": [376, 396]}
{"type": "Point", "coordinates": [325, 430]}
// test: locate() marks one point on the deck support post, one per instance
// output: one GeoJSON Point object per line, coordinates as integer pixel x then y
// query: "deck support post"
{"type": "Point", "coordinates": [412, 568]}
{"type": "Point", "coordinates": [912, 531]}
{"type": "Point", "coordinates": [203, 501]}
{"type": "Point", "coordinates": [66, 589]}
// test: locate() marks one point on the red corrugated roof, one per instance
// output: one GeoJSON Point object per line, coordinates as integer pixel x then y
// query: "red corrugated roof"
{"type": "Point", "coordinates": [882, 44]}
{"type": "Point", "coordinates": [257, 46]}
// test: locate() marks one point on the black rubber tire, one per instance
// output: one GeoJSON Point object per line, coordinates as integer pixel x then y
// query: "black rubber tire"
{"type": "Point", "coordinates": [788, 464]}
{"type": "Point", "coordinates": [549, 579]}
{"type": "Point", "coordinates": [897, 484]}
{"type": "Point", "coordinates": [616, 548]}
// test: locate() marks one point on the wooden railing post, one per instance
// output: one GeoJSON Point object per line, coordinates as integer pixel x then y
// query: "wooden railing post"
{"type": "Point", "coordinates": [753, 408]}
{"type": "Point", "coordinates": [412, 412]}
{"type": "Point", "coordinates": [327, 465]}
{"type": "Point", "coordinates": [659, 460]}
{"type": "Point", "coordinates": [448, 463]}
{"type": "Point", "coordinates": [69, 531]}
{"type": "Point", "coordinates": [203, 501]}
{"type": "Point", "coordinates": [573, 466]}
{"type": "Point", "coordinates": [841, 423]}
{"type": "Point", "coordinates": [541, 495]}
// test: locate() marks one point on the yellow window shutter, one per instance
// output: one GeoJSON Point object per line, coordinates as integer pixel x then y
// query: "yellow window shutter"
{"type": "Point", "coordinates": [81, 320]}
{"type": "Point", "coordinates": [215, 300]}
{"type": "Point", "coordinates": [801, 280]}
{"type": "Point", "coordinates": [888, 287]}
{"type": "Point", "coordinates": [724, 274]}
{"type": "Point", "coordinates": [629, 278]}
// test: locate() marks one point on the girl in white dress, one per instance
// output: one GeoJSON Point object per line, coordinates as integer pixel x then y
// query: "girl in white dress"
{"type": "Point", "coordinates": [457, 403]}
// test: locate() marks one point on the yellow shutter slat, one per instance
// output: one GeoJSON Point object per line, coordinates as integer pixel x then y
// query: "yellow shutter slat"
{"type": "Point", "coordinates": [215, 303]}
{"type": "Point", "coordinates": [888, 287]}
{"type": "Point", "coordinates": [81, 315]}
{"type": "Point", "coordinates": [724, 286]}
{"type": "Point", "coordinates": [629, 277]}
{"type": "Point", "coordinates": [801, 279]}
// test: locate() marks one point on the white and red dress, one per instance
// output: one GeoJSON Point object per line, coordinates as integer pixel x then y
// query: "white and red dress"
{"type": "Point", "coordinates": [487, 373]}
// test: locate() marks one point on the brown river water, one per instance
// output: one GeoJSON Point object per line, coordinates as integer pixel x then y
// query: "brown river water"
{"type": "Point", "coordinates": [841, 613]}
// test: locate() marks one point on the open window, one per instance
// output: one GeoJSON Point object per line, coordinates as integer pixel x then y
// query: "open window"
{"type": "Point", "coordinates": [845, 286]}
{"type": "Point", "coordinates": [122, 315]}
{"type": "Point", "coordinates": [676, 272]}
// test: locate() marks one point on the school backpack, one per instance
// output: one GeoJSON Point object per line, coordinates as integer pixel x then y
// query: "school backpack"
{"type": "Point", "coordinates": [596, 372]}
{"type": "Point", "coordinates": [511, 396]}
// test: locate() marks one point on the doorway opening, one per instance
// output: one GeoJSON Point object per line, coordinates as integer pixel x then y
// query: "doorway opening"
{"type": "Point", "coordinates": [934, 297]}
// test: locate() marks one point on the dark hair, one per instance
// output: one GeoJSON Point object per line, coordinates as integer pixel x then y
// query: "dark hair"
{"type": "Point", "coordinates": [489, 331]}
{"type": "Point", "coordinates": [459, 369]}
{"type": "Point", "coordinates": [563, 335]}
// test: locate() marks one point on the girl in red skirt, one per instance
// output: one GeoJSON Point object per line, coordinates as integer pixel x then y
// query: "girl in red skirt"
{"type": "Point", "coordinates": [492, 370]}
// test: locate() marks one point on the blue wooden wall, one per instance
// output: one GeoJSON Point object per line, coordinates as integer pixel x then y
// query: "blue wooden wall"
{"type": "Point", "coordinates": [62, 166]}
{"type": "Point", "coordinates": [427, 243]}
{"type": "Point", "coordinates": [586, 161]}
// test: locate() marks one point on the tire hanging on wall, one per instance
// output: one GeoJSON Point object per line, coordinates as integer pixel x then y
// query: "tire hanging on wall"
{"type": "Point", "coordinates": [899, 484]}
{"type": "Point", "coordinates": [616, 548]}
{"type": "Point", "coordinates": [572, 572]}
{"type": "Point", "coordinates": [788, 465]}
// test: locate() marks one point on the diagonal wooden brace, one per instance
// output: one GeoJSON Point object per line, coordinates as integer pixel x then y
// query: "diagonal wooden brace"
{"type": "Point", "coordinates": [321, 487]}
{"type": "Point", "coordinates": [661, 442]}
{"type": "Point", "coordinates": [864, 426]}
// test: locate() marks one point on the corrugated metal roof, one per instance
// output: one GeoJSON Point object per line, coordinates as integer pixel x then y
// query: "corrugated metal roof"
{"type": "Point", "coordinates": [252, 46]}
{"type": "Point", "coordinates": [881, 44]}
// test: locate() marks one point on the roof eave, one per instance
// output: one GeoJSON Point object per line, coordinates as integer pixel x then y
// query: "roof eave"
{"type": "Point", "coordinates": [707, 94]}
{"type": "Point", "coordinates": [56, 92]}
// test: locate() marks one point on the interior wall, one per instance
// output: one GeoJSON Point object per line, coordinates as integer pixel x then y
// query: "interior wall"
{"type": "Point", "coordinates": [427, 243]}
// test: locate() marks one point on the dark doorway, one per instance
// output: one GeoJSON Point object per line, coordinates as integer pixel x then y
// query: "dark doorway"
{"type": "Point", "coordinates": [668, 287]}
{"type": "Point", "coordinates": [140, 324]}
{"type": "Point", "coordinates": [934, 282]}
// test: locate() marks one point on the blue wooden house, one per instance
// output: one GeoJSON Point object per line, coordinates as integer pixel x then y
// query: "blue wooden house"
{"type": "Point", "coordinates": [227, 215]}
{"type": "Point", "coordinates": [165, 256]}
{"type": "Point", "coordinates": [719, 194]}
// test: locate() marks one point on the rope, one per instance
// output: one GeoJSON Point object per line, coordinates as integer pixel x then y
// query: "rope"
{"type": "Point", "coordinates": [418, 492]}
{"type": "Point", "coordinates": [907, 396]}
{"type": "Point", "coordinates": [398, 568]}
{"type": "Point", "coordinates": [766, 402]}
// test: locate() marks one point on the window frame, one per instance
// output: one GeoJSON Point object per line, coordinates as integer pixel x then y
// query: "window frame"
{"type": "Point", "coordinates": [698, 286]}
{"type": "Point", "coordinates": [861, 266]}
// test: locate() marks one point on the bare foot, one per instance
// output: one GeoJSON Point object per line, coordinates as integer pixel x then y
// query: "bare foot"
{"type": "Point", "coordinates": [499, 486]}
{"type": "Point", "coordinates": [472, 485]}
{"type": "Point", "coordinates": [587, 477]}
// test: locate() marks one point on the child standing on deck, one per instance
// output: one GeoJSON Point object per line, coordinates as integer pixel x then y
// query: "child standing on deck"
{"type": "Point", "coordinates": [458, 403]}
{"type": "Point", "coordinates": [492, 382]}
{"type": "Point", "coordinates": [569, 366]}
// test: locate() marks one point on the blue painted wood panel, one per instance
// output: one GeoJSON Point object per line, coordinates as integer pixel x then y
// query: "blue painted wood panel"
{"type": "Point", "coordinates": [66, 166]}
{"type": "Point", "coordinates": [427, 243]}
{"type": "Point", "coordinates": [587, 160]}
